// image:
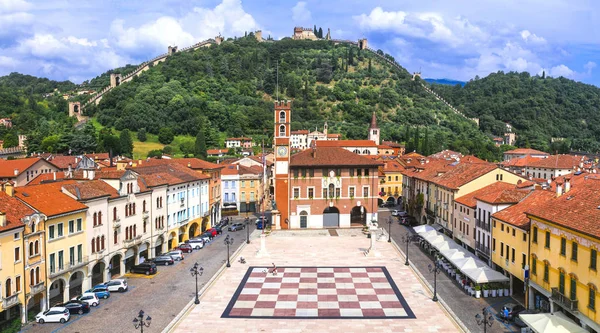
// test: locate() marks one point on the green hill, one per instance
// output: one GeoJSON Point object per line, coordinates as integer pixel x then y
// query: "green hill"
{"type": "Point", "coordinates": [539, 108]}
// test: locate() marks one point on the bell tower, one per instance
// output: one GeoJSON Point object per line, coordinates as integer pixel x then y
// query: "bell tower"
{"type": "Point", "coordinates": [281, 144]}
{"type": "Point", "coordinates": [374, 130]}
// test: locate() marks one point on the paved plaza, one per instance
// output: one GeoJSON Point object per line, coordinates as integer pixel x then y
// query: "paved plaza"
{"type": "Point", "coordinates": [329, 286]}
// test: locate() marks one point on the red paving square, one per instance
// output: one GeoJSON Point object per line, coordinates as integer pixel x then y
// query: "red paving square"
{"type": "Point", "coordinates": [310, 296]}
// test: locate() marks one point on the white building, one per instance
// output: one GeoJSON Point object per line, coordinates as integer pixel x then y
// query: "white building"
{"type": "Point", "coordinates": [230, 181]}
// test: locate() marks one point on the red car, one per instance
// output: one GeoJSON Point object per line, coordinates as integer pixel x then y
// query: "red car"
{"type": "Point", "coordinates": [212, 231]}
{"type": "Point", "coordinates": [185, 248]}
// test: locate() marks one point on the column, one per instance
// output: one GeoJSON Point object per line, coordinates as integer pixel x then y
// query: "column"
{"type": "Point", "coordinates": [511, 284]}
{"type": "Point", "coordinates": [551, 305]}
{"type": "Point", "coordinates": [122, 268]}
{"type": "Point", "coordinates": [66, 296]}
{"type": "Point", "coordinates": [87, 282]}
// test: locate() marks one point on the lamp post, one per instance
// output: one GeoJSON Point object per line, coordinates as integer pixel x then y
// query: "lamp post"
{"type": "Point", "coordinates": [228, 241]}
{"type": "Point", "coordinates": [247, 208]}
{"type": "Point", "coordinates": [435, 269]}
{"type": "Point", "coordinates": [389, 222]}
{"type": "Point", "coordinates": [140, 322]}
{"type": "Point", "coordinates": [247, 222]}
{"type": "Point", "coordinates": [406, 239]}
{"type": "Point", "coordinates": [486, 320]}
{"type": "Point", "coordinates": [196, 271]}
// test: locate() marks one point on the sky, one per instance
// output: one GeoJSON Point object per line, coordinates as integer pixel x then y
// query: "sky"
{"type": "Point", "coordinates": [453, 39]}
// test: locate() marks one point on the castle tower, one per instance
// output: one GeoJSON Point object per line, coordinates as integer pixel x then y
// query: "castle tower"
{"type": "Point", "coordinates": [374, 130]}
{"type": "Point", "coordinates": [219, 39]}
{"type": "Point", "coordinates": [171, 50]}
{"type": "Point", "coordinates": [115, 80]}
{"type": "Point", "coordinates": [362, 43]}
{"type": "Point", "coordinates": [281, 143]}
{"type": "Point", "coordinates": [74, 109]}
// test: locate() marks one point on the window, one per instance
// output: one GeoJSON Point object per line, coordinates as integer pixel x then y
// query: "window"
{"type": "Point", "coordinates": [79, 224]}
{"type": "Point", "coordinates": [8, 286]}
{"type": "Point", "coordinates": [547, 243]}
{"type": "Point", "coordinates": [523, 260]}
{"type": "Point", "coordinates": [95, 219]}
{"type": "Point", "coordinates": [31, 253]}
{"type": "Point", "coordinates": [493, 243]}
{"type": "Point", "coordinates": [366, 191]}
{"type": "Point", "coordinates": [561, 282]}
{"type": "Point", "coordinates": [331, 190]}
{"type": "Point", "coordinates": [546, 271]}
{"type": "Point", "coordinates": [351, 172]}
{"type": "Point", "coordinates": [366, 172]}
{"type": "Point", "coordinates": [71, 226]}
{"type": "Point", "coordinates": [513, 255]}
{"type": "Point", "coordinates": [514, 232]}
{"type": "Point", "coordinates": [563, 246]}
{"type": "Point", "coordinates": [17, 253]}
{"type": "Point", "coordinates": [115, 214]}
{"type": "Point", "coordinates": [573, 288]}
{"type": "Point", "coordinates": [52, 263]}
{"type": "Point", "coordinates": [51, 232]}
{"type": "Point", "coordinates": [351, 191]}
{"type": "Point", "coordinates": [18, 284]}
{"type": "Point", "coordinates": [296, 192]}
{"type": "Point", "coordinates": [282, 117]}
{"type": "Point", "coordinates": [359, 172]}
{"type": "Point", "coordinates": [534, 266]}
{"type": "Point", "coordinates": [592, 301]}
{"type": "Point", "coordinates": [311, 172]}
{"type": "Point", "coordinates": [311, 193]}
{"type": "Point", "coordinates": [37, 247]}
{"type": "Point", "coordinates": [93, 245]}
{"type": "Point", "coordinates": [502, 249]}
{"type": "Point", "coordinates": [501, 226]}
{"type": "Point", "coordinates": [593, 258]}
{"type": "Point", "coordinates": [282, 130]}
{"type": "Point", "coordinates": [574, 252]}
{"type": "Point", "coordinates": [115, 237]}
{"type": "Point", "coordinates": [535, 232]}
{"type": "Point", "coordinates": [524, 237]}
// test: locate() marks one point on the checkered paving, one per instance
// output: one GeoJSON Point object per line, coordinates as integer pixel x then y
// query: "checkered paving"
{"type": "Point", "coordinates": [318, 292]}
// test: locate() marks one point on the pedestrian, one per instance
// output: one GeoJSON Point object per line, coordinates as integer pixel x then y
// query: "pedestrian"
{"type": "Point", "coordinates": [505, 313]}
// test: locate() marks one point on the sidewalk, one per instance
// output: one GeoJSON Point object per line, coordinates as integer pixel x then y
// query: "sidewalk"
{"type": "Point", "coordinates": [465, 307]}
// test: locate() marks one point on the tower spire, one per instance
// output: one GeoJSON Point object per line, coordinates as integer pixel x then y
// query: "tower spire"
{"type": "Point", "coordinates": [373, 120]}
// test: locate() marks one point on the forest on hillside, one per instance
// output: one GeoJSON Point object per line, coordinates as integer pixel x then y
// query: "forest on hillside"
{"type": "Point", "coordinates": [539, 108]}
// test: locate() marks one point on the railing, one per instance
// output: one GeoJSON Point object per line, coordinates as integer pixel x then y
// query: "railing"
{"type": "Point", "coordinates": [564, 301]}
{"type": "Point", "coordinates": [10, 301]}
{"type": "Point", "coordinates": [483, 225]}
{"type": "Point", "coordinates": [116, 223]}
{"type": "Point", "coordinates": [38, 288]}
{"type": "Point", "coordinates": [79, 262]}
{"type": "Point", "coordinates": [145, 214]}
{"type": "Point", "coordinates": [482, 248]}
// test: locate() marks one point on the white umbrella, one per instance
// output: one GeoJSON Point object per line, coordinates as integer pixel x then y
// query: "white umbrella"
{"type": "Point", "coordinates": [548, 323]}
{"type": "Point", "coordinates": [433, 239]}
{"type": "Point", "coordinates": [484, 275]}
{"type": "Point", "coordinates": [466, 263]}
{"type": "Point", "coordinates": [445, 245]}
{"type": "Point", "coordinates": [423, 228]}
{"type": "Point", "coordinates": [453, 254]}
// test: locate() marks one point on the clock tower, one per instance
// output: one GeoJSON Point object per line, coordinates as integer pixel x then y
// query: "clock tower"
{"type": "Point", "coordinates": [281, 144]}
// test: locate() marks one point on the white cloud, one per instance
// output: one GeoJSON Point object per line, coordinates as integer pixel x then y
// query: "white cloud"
{"type": "Point", "coordinates": [228, 19]}
{"type": "Point", "coordinates": [301, 14]}
{"type": "Point", "coordinates": [159, 34]}
{"type": "Point", "coordinates": [589, 66]}
{"type": "Point", "coordinates": [380, 20]}
{"type": "Point", "coordinates": [532, 38]}
{"type": "Point", "coordinates": [8, 62]}
{"type": "Point", "coordinates": [11, 6]}
{"type": "Point", "coordinates": [561, 70]}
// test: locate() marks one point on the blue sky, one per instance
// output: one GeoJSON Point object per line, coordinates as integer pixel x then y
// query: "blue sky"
{"type": "Point", "coordinates": [456, 39]}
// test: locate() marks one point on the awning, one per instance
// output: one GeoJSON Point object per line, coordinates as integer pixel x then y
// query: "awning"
{"type": "Point", "coordinates": [423, 228]}
{"type": "Point", "coordinates": [484, 275]}
{"type": "Point", "coordinates": [551, 323]}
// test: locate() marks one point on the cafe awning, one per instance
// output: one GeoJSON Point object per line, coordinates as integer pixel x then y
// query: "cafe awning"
{"type": "Point", "coordinates": [551, 323]}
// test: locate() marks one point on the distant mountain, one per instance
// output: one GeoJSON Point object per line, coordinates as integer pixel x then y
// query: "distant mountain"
{"type": "Point", "coordinates": [446, 81]}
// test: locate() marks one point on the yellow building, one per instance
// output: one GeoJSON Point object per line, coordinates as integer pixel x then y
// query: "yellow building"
{"type": "Point", "coordinates": [565, 239]}
{"type": "Point", "coordinates": [510, 239]}
{"type": "Point", "coordinates": [66, 246]}
{"type": "Point", "coordinates": [391, 184]}
{"type": "Point", "coordinates": [251, 188]}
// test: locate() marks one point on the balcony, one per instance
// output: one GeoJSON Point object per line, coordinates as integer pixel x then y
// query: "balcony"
{"type": "Point", "coordinates": [56, 271]}
{"type": "Point", "coordinates": [79, 262]}
{"type": "Point", "coordinates": [9, 301]}
{"type": "Point", "coordinates": [145, 214]}
{"type": "Point", "coordinates": [38, 288]}
{"type": "Point", "coordinates": [116, 224]}
{"type": "Point", "coordinates": [482, 248]}
{"type": "Point", "coordinates": [564, 301]}
{"type": "Point", "coordinates": [483, 225]}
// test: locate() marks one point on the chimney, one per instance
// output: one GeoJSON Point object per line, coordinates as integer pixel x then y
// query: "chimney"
{"type": "Point", "coordinates": [559, 189]}
{"type": "Point", "coordinates": [567, 185]}
{"type": "Point", "coordinates": [2, 219]}
{"type": "Point", "coordinates": [70, 172]}
{"type": "Point", "coordinates": [54, 175]}
{"type": "Point", "coordinates": [16, 172]}
{"type": "Point", "coordinates": [76, 160]}
{"type": "Point", "coordinates": [237, 166]}
{"type": "Point", "coordinates": [189, 164]}
{"type": "Point", "coordinates": [139, 162]}
{"type": "Point", "coordinates": [9, 189]}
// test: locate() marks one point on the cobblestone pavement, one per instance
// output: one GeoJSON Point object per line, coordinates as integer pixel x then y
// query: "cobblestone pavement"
{"type": "Point", "coordinates": [162, 297]}
{"type": "Point", "coordinates": [464, 306]}
{"type": "Point", "coordinates": [316, 249]}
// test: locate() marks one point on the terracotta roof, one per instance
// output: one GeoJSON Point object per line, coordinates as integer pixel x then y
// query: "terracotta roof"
{"type": "Point", "coordinates": [216, 151]}
{"type": "Point", "coordinates": [334, 135]}
{"type": "Point", "coordinates": [192, 163]}
{"type": "Point", "coordinates": [520, 162]}
{"type": "Point", "coordinates": [471, 159]}
{"type": "Point", "coordinates": [495, 193]}
{"type": "Point", "coordinates": [98, 156]}
{"type": "Point", "coordinates": [392, 144]}
{"type": "Point", "coordinates": [49, 199]}
{"type": "Point", "coordinates": [384, 147]}
{"type": "Point", "coordinates": [577, 209]}
{"type": "Point", "coordinates": [330, 156]}
{"type": "Point", "coordinates": [171, 173]}
{"type": "Point", "coordinates": [91, 189]}
{"type": "Point", "coordinates": [239, 139]}
{"type": "Point", "coordinates": [522, 151]}
{"type": "Point", "coordinates": [392, 166]}
{"type": "Point", "coordinates": [412, 155]}
{"type": "Point", "coordinates": [526, 183]}
{"type": "Point", "coordinates": [230, 169]}
{"type": "Point", "coordinates": [14, 209]}
{"type": "Point", "coordinates": [557, 162]}
{"type": "Point", "coordinates": [463, 173]}
{"type": "Point", "coordinates": [259, 160]}
{"type": "Point", "coordinates": [429, 171]}
{"type": "Point", "coordinates": [515, 214]}
{"type": "Point", "coordinates": [346, 143]}
{"type": "Point", "coordinates": [63, 162]}
{"type": "Point", "coordinates": [300, 132]}
{"type": "Point", "coordinates": [446, 154]}
{"type": "Point", "coordinates": [8, 167]}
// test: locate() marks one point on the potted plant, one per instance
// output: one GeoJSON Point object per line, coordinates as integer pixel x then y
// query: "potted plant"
{"type": "Point", "coordinates": [486, 290]}
{"type": "Point", "coordinates": [506, 290]}
{"type": "Point", "coordinates": [477, 291]}
{"type": "Point", "coordinates": [500, 291]}
{"type": "Point", "coordinates": [493, 288]}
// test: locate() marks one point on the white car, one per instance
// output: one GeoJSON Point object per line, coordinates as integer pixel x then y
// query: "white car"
{"type": "Point", "coordinates": [196, 244]}
{"type": "Point", "coordinates": [400, 213]}
{"type": "Point", "coordinates": [90, 298]}
{"type": "Point", "coordinates": [119, 285]}
{"type": "Point", "coordinates": [176, 254]}
{"type": "Point", "coordinates": [57, 314]}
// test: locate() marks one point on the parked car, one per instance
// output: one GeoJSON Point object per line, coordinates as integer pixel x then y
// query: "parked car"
{"type": "Point", "coordinates": [100, 291]}
{"type": "Point", "coordinates": [212, 231]}
{"type": "Point", "coordinates": [176, 254]}
{"type": "Point", "coordinates": [224, 221]}
{"type": "Point", "coordinates": [236, 227]}
{"type": "Point", "coordinates": [389, 204]}
{"type": "Point", "coordinates": [185, 248]}
{"type": "Point", "coordinates": [119, 285]}
{"type": "Point", "coordinates": [145, 268]}
{"type": "Point", "coordinates": [260, 220]}
{"type": "Point", "coordinates": [219, 229]}
{"type": "Point", "coordinates": [76, 307]}
{"type": "Point", "coordinates": [262, 224]}
{"type": "Point", "coordinates": [164, 260]}
{"type": "Point", "coordinates": [407, 220]}
{"type": "Point", "coordinates": [513, 310]}
{"type": "Point", "coordinates": [196, 243]}
{"type": "Point", "coordinates": [57, 314]}
{"type": "Point", "coordinates": [90, 298]}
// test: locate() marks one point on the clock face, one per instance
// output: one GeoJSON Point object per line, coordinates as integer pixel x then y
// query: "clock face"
{"type": "Point", "coordinates": [282, 151]}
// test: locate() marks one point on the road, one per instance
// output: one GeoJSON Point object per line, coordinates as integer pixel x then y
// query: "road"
{"type": "Point", "coordinates": [161, 296]}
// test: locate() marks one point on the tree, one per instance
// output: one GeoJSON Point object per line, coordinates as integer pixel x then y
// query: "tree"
{"type": "Point", "coordinates": [165, 135]}
{"type": "Point", "coordinates": [11, 139]}
{"type": "Point", "coordinates": [141, 135]}
{"type": "Point", "coordinates": [320, 32]}
{"type": "Point", "coordinates": [369, 70]}
{"type": "Point", "coordinates": [155, 153]}
{"type": "Point", "coordinates": [200, 146]}
{"type": "Point", "coordinates": [425, 146]}
{"type": "Point", "coordinates": [126, 143]}
{"type": "Point", "coordinates": [315, 30]}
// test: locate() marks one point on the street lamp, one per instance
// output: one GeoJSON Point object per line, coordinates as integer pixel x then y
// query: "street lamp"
{"type": "Point", "coordinates": [435, 269]}
{"type": "Point", "coordinates": [228, 241]}
{"type": "Point", "coordinates": [140, 322]}
{"type": "Point", "coordinates": [406, 239]}
{"type": "Point", "coordinates": [196, 271]}
{"type": "Point", "coordinates": [247, 208]}
{"type": "Point", "coordinates": [486, 320]}
{"type": "Point", "coordinates": [389, 222]}
{"type": "Point", "coordinates": [247, 221]}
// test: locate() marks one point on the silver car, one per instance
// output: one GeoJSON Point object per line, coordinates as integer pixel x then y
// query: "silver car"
{"type": "Point", "coordinates": [176, 254]}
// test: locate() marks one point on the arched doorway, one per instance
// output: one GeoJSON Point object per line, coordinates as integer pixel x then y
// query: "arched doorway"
{"type": "Point", "coordinates": [392, 200]}
{"type": "Point", "coordinates": [118, 80]}
{"type": "Point", "coordinates": [181, 236]}
{"type": "Point", "coordinates": [158, 246]}
{"type": "Point", "coordinates": [98, 273]}
{"type": "Point", "coordinates": [115, 265]}
{"type": "Point", "coordinates": [143, 250]}
{"type": "Point", "coordinates": [76, 284]}
{"type": "Point", "coordinates": [380, 202]}
{"type": "Point", "coordinates": [193, 230]}
{"type": "Point", "coordinates": [303, 219]}
{"type": "Point", "coordinates": [130, 255]}
{"type": "Point", "coordinates": [56, 294]}
{"type": "Point", "coordinates": [172, 240]}
{"type": "Point", "coordinates": [331, 217]}
{"type": "Point", "coordinates": [35, 304]}
{"type": "Point", "coordinates": [358, 216]}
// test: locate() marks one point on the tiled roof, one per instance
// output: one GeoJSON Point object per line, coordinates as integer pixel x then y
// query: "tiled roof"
{"type": "Point", "coordinates": [495, 193]}
{"type": "Point", "coordinates": [49, 199]}
{"type": "Point", "coordinates": [193, 163]}
{"type": "Point", "coordinates": [577, 209]}
{"type": "Point", "coordinates": [520, 162]}
{"type": "Point", "coordinates": [384, 147]}
{"type": "Point", "coordinates": [330, 156]}
{"type": "Point", "coordinates": [216, 151]}
{"type": "Point", "coordinates": [300, 132]}
{"type": "Point", "coordinates": [446, 154]}
{"type": "Point", "coordinates": [432, 170]}
{"type": "Point", "coordinates": [412, 155]}
{"type": "Point", "coordinates": [8, 167]}
{"type": "Point", "coordinates": [557, 162]}
{"type": "Point", "coordinates": [462, 174]}
{"type": "Point", "coordinates": [334, 135]}
{"type": "Point", "coordinates": [393, 166]}
{"type": "Point", "coordinates": [522, 151]}
{"type": "Point", "coordinates": [515, 214]}
{"type": "Point", "coordinates": [98, 156]}
{"type": "Point", "coordinates": [393, 144]}
{"type": "Point", "coordinates": [471, 159]}
{"type": "Point", "coordinates": [171, 173]}
{"type": "Point", "coordinates": [239, 139]}
{"type": "Point", "coordinates": [63, 162]}
{"type": "Point", "coordinates": [91, 189]}
{"type": "Point", "coordinates": [14, 209]}
{"type": "Point", "coordinates": [346, 143]}
{"type": "Point", "coordinates": [230, 169]}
